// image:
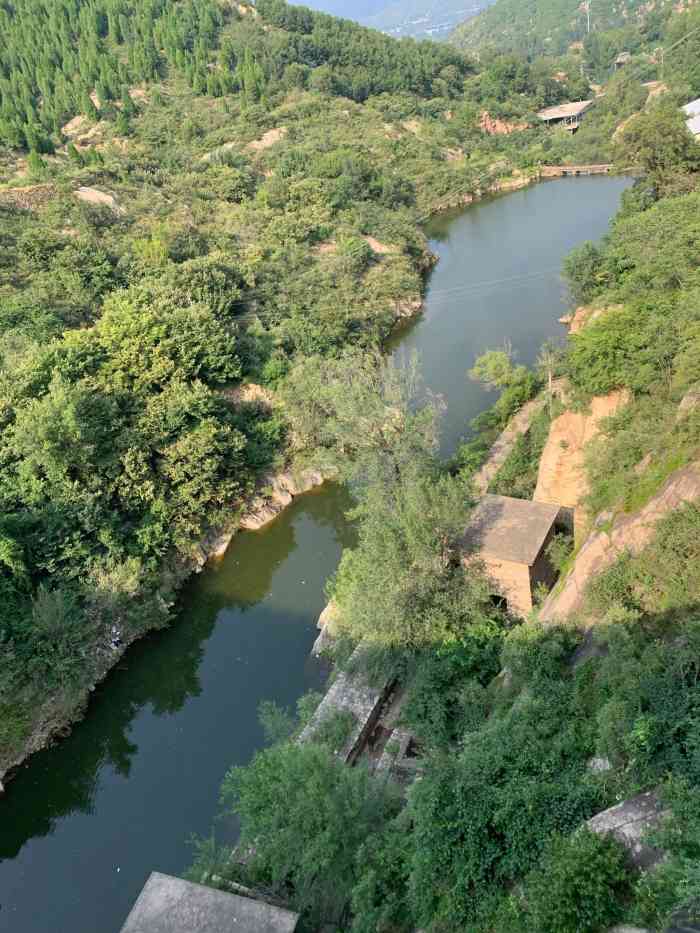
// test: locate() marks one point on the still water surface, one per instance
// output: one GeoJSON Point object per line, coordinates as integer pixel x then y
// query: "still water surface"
{"type": "Point", "coordinates": [83, 825]}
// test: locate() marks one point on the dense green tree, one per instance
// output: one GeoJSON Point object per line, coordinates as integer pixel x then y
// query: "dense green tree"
{"type": "Point", "coordinates": [300, 840]}
{"type": "Point", "coordinates": [658, 142]}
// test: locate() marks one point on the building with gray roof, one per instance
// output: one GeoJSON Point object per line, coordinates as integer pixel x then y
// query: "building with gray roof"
{"type": "Point", "coordinates": [172, 905]}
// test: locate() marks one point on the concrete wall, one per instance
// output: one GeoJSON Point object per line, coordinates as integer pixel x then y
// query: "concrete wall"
{"type": "Point", "coordinates": [542, 570]}
{"type": "Point", "coordinates": [512, 581]}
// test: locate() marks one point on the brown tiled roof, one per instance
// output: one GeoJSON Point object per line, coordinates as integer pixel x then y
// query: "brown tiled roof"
{"type": "Point", "coordinates": [562, 111]}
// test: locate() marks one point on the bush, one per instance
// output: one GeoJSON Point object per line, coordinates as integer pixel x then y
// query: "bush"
{"type": "Point", "coordinates": [582, 270]}
{"type": "Point", "coordinates": [304, 815]}
{"type": "Point", "coordinates": [615, 350]}
{"type": "Point", "coordinates": [579, 887]}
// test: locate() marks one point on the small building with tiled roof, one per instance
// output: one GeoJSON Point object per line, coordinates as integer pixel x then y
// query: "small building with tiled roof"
{"type": "Point", "coordinates": [510, 538]}
{"type": "Point", "coordinates": [567, 115]}
{"type": "Point", "coordinates": [172, 905]}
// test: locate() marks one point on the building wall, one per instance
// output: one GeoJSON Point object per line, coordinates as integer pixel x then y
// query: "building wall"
{"type": "Point", "coordinates": [542, 570]}
{"type": "Point", "coordinates": [512, 581]}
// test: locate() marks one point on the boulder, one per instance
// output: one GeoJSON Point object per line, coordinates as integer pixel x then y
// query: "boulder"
{"type": "Point", "coordinates": [628, 822]}
{"type": "Point", "coordinates": [99, 198]}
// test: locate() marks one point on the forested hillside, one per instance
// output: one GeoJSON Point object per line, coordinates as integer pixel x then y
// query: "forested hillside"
{"type": "Point", "coordinates": [210, 223]}
{"type": "Point", "coordinates": [520, 732]}
{"type": "Point", "coordinates": [193, 197]}
{"type": "Point", "coordinates": [416, 18]}
{"type": "Point", "coordinates": [550, 27]}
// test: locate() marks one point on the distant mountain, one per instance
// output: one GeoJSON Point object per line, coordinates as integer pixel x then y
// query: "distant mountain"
{"type": "Point", "coordinates": [351, 9]}
{"type": "Point", "coordinates": [434, 19]}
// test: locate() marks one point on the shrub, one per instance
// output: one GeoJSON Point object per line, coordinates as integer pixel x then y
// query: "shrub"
{"type": "Point", "coordinates": [579, 887]}
{"type": "Point", "coordinates": [615, 350]}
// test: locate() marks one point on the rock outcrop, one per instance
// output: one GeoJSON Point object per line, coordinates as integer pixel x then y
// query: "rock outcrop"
{"type": "Point", "coordinates": [628, 822]}
{"type": "Point", "coordinates": [27, 197]}
{"type": "Point", "coordinates": [495, 127]}
{"type": "Point", "coordinates": [561, 476]}
{"type": "Point", "coordinates": [582, 316]}
{"type": "Point", "coordinates": [628, 533]}
{"type": "Point", "coordinates": [328, 624]}
{"type": "Point", "coordinates": [277, 492]}
{"type": "Point", "coordinates": [99, 199]}
{"type": "Point", "coordinates": [268, 139]}
{"type": "Point", "coordinates": [689, 403]}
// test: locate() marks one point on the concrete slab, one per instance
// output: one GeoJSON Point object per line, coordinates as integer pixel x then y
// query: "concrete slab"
{"type": "Point", "coordinates": [172, 905]}
{"type": "Point", "coordinates": [350, 693]}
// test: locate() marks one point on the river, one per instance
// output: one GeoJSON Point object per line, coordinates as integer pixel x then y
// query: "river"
{"type": "Point", "coordinates": [83, 825]}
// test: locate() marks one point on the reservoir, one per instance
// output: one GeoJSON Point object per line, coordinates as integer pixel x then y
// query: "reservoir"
{"type": "Point", "coordinates": [84, 823]}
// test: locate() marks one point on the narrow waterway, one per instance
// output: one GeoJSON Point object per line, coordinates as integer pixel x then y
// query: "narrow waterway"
{"type": "Point", "coordinates": [83, 825]}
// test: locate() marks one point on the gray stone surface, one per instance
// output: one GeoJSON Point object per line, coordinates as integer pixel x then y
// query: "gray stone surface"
{"type": "Point", "coordinates": [627, 929]}
{"type": "Point", "coordinates": [628, 822]}
{"type": "Point", "coordinates": [171, 905]}
{"type": "Point", "coordinates": [599, 765]}
{"type": "Point", "coordinates": [510, 529]}
{"type": "Point", "coordinates": [350, 693]}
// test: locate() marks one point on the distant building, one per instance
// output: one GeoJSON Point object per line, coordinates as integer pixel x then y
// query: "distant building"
{"type": "Point", "coordinates": [510, 538]}
{"type": "Point", "coordinates": [567, 115]}
{"type": "Point", "coordinates": [622, 59]}
{"type": "Point", "coordinates": [692, 111]}
{"type": "Point", "coordinates": [171, 905]}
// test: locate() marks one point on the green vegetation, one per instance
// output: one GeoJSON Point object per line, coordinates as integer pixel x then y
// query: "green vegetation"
{"type": "Point", "coordinates": [645, 273]}
{"type": "Point", "coordinates": [298, 837]}
{"type": "Point", "coordinates": [254, 183]}
{"type": "Point", "coordinates": [579, 887]}
{"type": "Point", "coordinates": [507, 717]}
{"type": "Point", "coordinates": [505, 789]}
{"type": "Point", "coordinates": [518, 475]}
{"type": "Point", "coordinates": [550, 27]}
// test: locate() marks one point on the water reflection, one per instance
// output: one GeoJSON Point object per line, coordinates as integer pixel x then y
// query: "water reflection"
{"type": "Point", "coordinates": [81, 828]}
{"type": "Point", "coordinates": [142, 771]}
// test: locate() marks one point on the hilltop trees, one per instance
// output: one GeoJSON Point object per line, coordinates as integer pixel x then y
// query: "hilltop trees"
{"type": "Point", "coordinates": [658, 142]}
{"type": "Point", "coordinates": [55, 55]}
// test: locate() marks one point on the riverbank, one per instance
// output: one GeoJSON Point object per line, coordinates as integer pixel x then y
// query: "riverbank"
{"type": "Point", "coordinates": [271, 495]}
{"type": "Point", "coordinates": [181, 707]}
{"type": "Point", "coordinates": [520, 179]}
{"type": "Point", "coordinates": [261, 508]}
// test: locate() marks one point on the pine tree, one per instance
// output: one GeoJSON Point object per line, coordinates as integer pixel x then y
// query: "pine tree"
{"type": "Point", "coordinates": [88, 107]}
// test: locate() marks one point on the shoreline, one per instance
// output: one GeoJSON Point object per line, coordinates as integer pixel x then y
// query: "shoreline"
{"type": "Point", "coordinates": [259, 510]}
{"type": "Point", "coordinates": [518, 180]}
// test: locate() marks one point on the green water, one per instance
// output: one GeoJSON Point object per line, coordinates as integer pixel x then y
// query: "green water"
{"type": "Point", "coordinates": [83, 825]}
